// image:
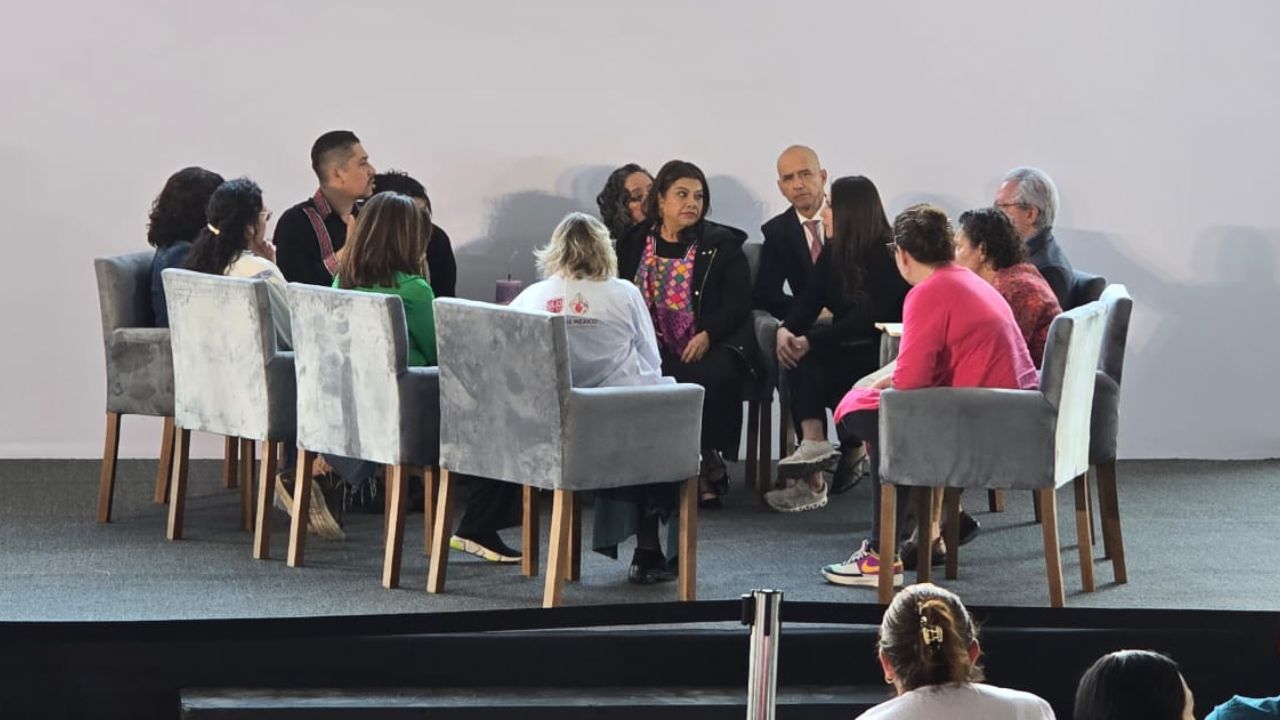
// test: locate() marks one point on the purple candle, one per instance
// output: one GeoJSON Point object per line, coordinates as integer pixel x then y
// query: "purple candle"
{"type": "Point", "coordinates": [507, 290]}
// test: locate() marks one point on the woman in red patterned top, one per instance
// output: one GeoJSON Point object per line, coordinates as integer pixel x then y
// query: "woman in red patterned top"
{"type": "Point", "coordinates": [987, 244]}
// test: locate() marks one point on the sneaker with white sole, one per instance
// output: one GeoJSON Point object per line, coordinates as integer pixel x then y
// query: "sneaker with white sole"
{"type": "Point", "coordinates": [320, 520]}
{"type": "Point", "coordinates": [811, 455]}
{"type": "Point", "coordinates": [797, 497]}
{"type": "Point", "coordinates": [493, 550]}
{"type": "Point", "coordinates": [862, 568]}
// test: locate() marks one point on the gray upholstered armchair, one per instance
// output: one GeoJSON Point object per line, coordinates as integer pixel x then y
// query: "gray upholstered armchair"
{"type": "Point", "coordinates": [985, 438]}
{"type": "Point", "coordinates": [229, 379]}
{"type": "Point", "coordinates": [139, 365]}
{"type": "Point", "coordinates": [1105, 422]}
{"type": "Point", "coordinates": [508, 411]}
{"type": "Point", "coordinates": [358, 398]}
{"type": "Point", "coordinates": [1085, 287]}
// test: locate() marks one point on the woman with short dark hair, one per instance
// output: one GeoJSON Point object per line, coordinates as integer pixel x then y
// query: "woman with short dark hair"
{"type": "Point", "coordinates": [1133, 685]}
{"type": "Point", "coordinates": [177, 216]}
{"type": "Point", "coordinates": [929, 651]}
{"type": "Point", "coordinates": [624, 199]}
{"type": "Point", "coordinates": [987, 244]}
{"type": "Point", "coordinates": [957, 332]}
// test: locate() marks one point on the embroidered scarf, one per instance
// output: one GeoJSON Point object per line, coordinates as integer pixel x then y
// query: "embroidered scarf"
{"type": "Point", "coordinates": [667, 286]}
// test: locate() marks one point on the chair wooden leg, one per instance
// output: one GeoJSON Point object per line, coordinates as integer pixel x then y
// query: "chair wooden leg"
{"type": "Point", "coordinates": [1047, 502]}
{"type": "Point", "coordinates": [430, 489]}
{"type": "Point", "coordinates": [1088, 506]}
{"type": "Point", "coordinates": [764, 464]}
{"type": "Point", "coordinates": [266, 496]}
{"type": "Point", "coordinates": [386, 503]}
{"type": "Point", "coordinates": [301, 510]}
{"type": "Point", "coordinates": [750, 474]}
{"type": "Point", "coordinates": [440, 534]}
{"type": "Point", "coordinates": [1109, 507]}
{"type": "Point", "coordinates": [247, 456]}
{"type": "Point", "coordinates": [1083, 542]}
{"type": "Point", "coordinates": [398, 487]}
{"type": "Point", "coordinates": [530, 533]}
{"type": "Point", "coordinates": [688, 541]}
{"type": "Point", "coordinates": [164, 470]}
{"type": "Point", "coordinates": [558, 548]}
{"type": "Point", "coordinates": [924, 534]}
{"type": "Point", "coordinates": [178, 494]}
{"type": "Point", "coordinates": [888, 540]}
{"type": "Point", "coordinates": [107, 480]}
{"type": "Point", "coordinates": [575, 538]}
{"type": "Point", "coordinates": [951, 508]}
{"type": "Point", "coordinates": [995, 501]}
{"type": "Point", "coordinates": [230, 461]}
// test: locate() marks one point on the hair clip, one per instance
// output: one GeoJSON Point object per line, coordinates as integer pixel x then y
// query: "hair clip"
{"type": "Point", "coordinates": [931, 634]}
{"type": "Point", "coordinates": [213, 229]}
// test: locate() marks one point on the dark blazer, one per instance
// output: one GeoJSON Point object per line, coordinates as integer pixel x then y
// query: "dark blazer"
{"type": "Point", "coordinates": [721, 284]}
{"type": "Point", "coordinates": [1052, 263]}
{"type": "Point", "coordinates": [853, 319]}
{"type": "Point", "coordinates": [784, 258]}
{"type": "Point", "coordinates": [440, 263]}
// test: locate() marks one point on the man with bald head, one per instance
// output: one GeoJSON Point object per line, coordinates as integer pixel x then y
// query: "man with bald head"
{"type": "Point", "coordinates": [794, 239]}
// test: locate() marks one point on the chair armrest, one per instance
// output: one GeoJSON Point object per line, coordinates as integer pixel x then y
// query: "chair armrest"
{"type": "Point", "coordinates": [140, 371]}
{"type": "Point", "coordinates": [967, 437]}
{"type": "Point", "coordinates": [620, 436]}
{"type": "Point", "coordinates": [282, 397]}
{"type": "Point", "coordinates": [420, 416]}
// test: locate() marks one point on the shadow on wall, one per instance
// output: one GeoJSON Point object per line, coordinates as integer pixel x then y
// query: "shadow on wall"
{"type": "Point", "coordinates": [952, 206]}
{"type": "Point", "coordinates": [1201, 351]}
{"type": "Point", "coordinates": [521, 222]}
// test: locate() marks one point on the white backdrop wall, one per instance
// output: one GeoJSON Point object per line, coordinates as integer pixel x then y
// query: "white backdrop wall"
{"type": "Point", "coordinates": [1157, 119]}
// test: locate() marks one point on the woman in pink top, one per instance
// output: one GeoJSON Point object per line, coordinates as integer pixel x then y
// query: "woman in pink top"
{"type": "Point", "coordinates": [957, 332]}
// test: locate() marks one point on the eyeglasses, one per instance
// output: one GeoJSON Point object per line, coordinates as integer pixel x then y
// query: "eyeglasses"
{"type": "Point", "coordinates": [636, 198]}
{"type": "Point", "coordinates": [265, 216]}
{"type": "Point", "coordinates": [1002, 206]}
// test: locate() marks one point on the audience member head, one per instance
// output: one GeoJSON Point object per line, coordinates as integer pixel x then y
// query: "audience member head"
{"type": "Point", "coordinates": [1030, 199]}
{"type": "Point", "coordinates": [801, 179]}
{"type": "Point", "coordinates": [624, 199]}
{"type": "Point", "coordinates": [234, 221]}
{"type": "Point", "coordinates": [857, 227]}
{"type": "Point", "coordinates": [923, 241]}
{"type": "Point", "coordinates": [177, 213]}
{"type": "Point", "coordinates": [928, 638]}
{"type": "Point", "coordinates": [402, 182]}
{"type": "Point", "coordinates": [680, 197]}
{"type": "Point", "coordinates": [1133, 685]}
{"type": "Point", "coordinates": [342, 165]}
{"type": "Point", "coordinates": [579, 249]}
{"type": "Point", "coordinates": [986, 242]}
{"type": "Point", "coordinates": [390, 236]}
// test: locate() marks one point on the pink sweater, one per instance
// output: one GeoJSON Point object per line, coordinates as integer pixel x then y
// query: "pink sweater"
{"type": "Point", "coordinates": [957, 331]}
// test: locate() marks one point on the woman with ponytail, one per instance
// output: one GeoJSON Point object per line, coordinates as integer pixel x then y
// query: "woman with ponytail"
{"type": "Point", "coordinates": [929, 651]}
{"type": "Point", "coordinates": [234, 243]}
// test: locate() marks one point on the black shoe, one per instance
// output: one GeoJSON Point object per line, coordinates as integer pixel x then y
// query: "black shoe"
{"type": "Point", "coordinates": [368, 500]}
{"type": "Point", "coordinates": [969, 528]}
{"type": "Point", "coordinates": [489, 547]}
{"type": "Point", "coordinates": [649, 567]}
{"type": "Point", "coordinates": [849, 471]}
{"type": "Point", "coordinates": [910, 554]}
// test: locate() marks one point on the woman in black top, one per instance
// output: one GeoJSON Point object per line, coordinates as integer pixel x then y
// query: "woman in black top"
{"type": "Point", "coordinates": [855, 280]}
{"type": "Point", "coordinates": [696, 283]}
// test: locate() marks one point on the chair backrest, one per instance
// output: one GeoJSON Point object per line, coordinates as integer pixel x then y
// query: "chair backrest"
{"type": "Point", "coordinates": [350, 348]}
{"type": "Point", "coordinates": [753, 252]}
{"type": "Point", "coordinates": [223, 339]}
{"type": "Point", "coordinates": [1085, 288]}
{"type": "Point", "coordinates": [1116, 335]}
{"type": "Point", "coordinates": [124, 291]}
{"type": "Point", "coordinates": [1067, 381]}
{"type": "Point", "coordinates": [504, 385]}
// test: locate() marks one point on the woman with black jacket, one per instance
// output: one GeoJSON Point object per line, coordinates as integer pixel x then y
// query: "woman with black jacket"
{"type": "Point", "coordinates": [696, 283]}
{"type": "Point", "coordinates": [857, 281]}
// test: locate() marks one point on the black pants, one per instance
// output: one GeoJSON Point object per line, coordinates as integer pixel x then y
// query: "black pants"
{"type": "Point", "coordinates": [721, 373]}
{"type": "Point", "coordinates": [491, 505]}
{"type": "Point", "coordinates": [865, 424]}
{"type": "Point", "coordinates": [823, 376]}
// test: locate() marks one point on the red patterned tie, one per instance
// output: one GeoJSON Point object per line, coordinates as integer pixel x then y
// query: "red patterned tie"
{"type": "Point", "coordinates": [815, 239]}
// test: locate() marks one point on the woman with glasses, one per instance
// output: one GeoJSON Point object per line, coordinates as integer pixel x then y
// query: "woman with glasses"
{"type": "Point", "coordinates": [234, 243]}
{"type": "Point", "coordinates": [624, 199]}
{"type": "Point", "coordinates": [957, 331]}
{"type": "Point", "coordinates": [856, 282]}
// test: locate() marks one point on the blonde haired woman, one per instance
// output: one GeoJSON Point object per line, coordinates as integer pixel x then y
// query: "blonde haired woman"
{"type": "Point", "coordinates": [611, 342]}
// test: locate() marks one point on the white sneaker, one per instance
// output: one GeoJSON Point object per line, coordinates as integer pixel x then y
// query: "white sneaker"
{"type": "Point", "coordinates": [798, 497]}
{"type": "Point", "coordinates": [862, 568]}
{"type": "Point", "coordinates": [811, 455]}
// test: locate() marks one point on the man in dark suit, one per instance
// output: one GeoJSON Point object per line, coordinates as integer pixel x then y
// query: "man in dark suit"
{"type": "Point", "coordinates": [793, 239]}
{"type": "Point", "coordinates": [1029, 198]}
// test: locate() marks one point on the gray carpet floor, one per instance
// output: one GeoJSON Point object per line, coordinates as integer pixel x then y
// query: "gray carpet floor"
{"type": "Point", "coordinates": [1197, 535]}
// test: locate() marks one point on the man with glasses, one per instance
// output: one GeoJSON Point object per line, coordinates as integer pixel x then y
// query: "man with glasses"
{"type": "Point", "coordinates": [1028, 197]}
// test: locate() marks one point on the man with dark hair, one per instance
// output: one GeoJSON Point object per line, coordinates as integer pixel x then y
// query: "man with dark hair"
{"type": "Point", "coordinates": [441, 267]}
{"type": "Point", "coordinates": [310, 236]}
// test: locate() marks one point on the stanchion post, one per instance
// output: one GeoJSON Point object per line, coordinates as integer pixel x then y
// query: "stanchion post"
{"type": "Point", "coordinates": [760, 610]}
